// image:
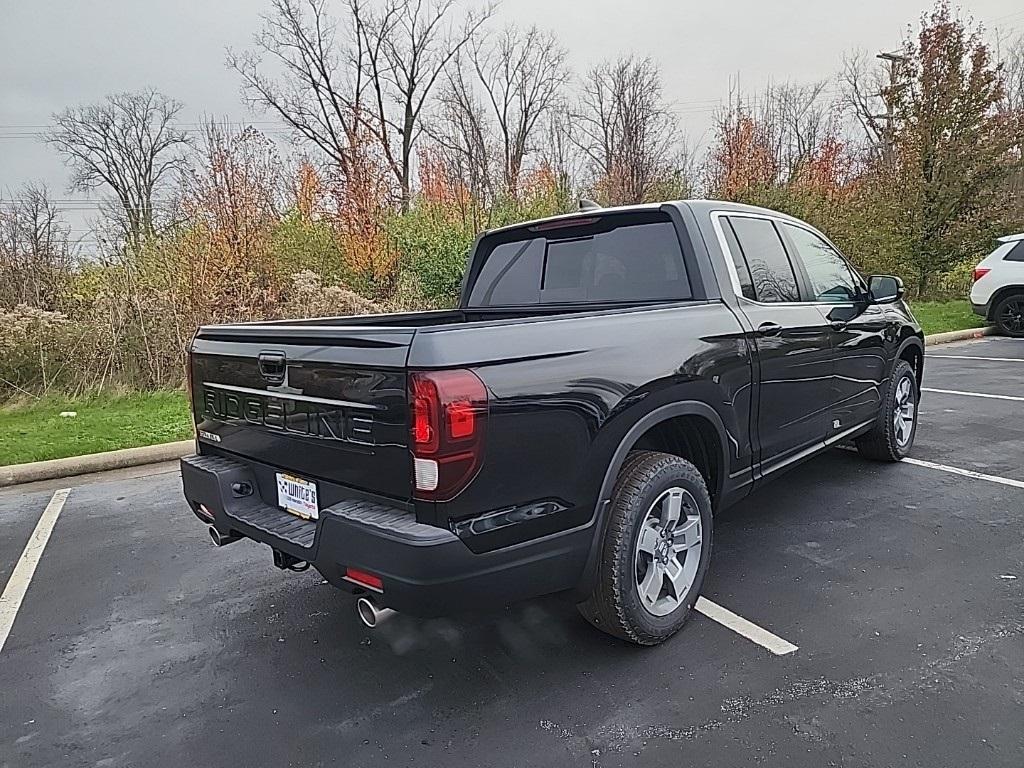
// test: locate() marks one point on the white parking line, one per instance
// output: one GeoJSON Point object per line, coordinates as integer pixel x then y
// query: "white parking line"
{"type": "Point", "coordinates": [953, 470]}
{"type": "Point", "coordinates": [741, 626]}
{"type": "Point", "coordinates": [17, 586]}
{"type": "Point", "coordinates": [972, 394]}
{"type": "Point", "coordinates": [973, 357]}
{"type": "Point", "coordinates": [966, 473]}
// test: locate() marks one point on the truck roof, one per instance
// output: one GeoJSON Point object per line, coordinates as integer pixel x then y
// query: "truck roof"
{"type": "Point", "coordinates": [703, 205]}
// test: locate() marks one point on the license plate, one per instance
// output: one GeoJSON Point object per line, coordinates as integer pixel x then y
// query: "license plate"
{"type": "Point", "coordinates": [298, 496]}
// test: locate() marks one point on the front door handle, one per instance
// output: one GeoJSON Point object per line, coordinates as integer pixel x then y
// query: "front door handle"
{"type": "Point", "coordinates": [769, 329]}
{"type": "Point", "coordinates": [838, 325]}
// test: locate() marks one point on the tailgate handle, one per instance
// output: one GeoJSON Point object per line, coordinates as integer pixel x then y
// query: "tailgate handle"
{"type": "Point", "coordinates": [273, 366]}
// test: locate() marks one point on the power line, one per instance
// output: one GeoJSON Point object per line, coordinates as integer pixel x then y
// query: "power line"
{"type": "Point", "coordinates": [1006, 16]}
{"type": "Point", "coordinates": [700, 108]}
{"type": "Point", "coordinates": [199, 126]}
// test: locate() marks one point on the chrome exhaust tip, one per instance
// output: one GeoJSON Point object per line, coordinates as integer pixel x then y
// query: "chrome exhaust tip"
{"type": "Point", "coordinates": [220, 539]}
{"type": "Point", "coordinates": [371, 614]}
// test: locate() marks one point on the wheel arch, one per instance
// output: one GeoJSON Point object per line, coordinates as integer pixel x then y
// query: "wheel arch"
{"type": "Point", "coordinates": [912, 351]}
{"type": "Point", "coordinates": [998, 295]}
{"type": "Point", "coordinates": [663, 415]}
{"type": "Point", "coordinates": [658, 416]}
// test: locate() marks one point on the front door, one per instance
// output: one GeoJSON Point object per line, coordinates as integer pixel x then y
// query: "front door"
{"type": "Point", "coordinates": [860, 345]}
{"type": "Point", "coordinates": [858, 331]}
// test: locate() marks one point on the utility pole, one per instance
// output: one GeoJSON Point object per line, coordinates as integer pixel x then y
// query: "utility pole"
{"type": "Point", "coordinates": [894, 60]}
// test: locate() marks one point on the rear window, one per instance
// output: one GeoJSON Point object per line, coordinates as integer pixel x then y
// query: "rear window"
{"type": "Point", "coordinates": [616, 258]}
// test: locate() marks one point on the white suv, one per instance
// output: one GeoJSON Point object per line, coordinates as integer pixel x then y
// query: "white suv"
{"type": "Point", "coordinates": [998, 291]}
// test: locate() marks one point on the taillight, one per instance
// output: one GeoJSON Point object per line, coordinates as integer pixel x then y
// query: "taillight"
{"type": "Point", "coordinates": [980, 272]}
{"type": "Point", "coordinates": [448, 415]}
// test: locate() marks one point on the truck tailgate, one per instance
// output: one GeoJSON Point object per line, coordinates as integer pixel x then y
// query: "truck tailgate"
{"type": "Point", "coordinates": [324, 403]}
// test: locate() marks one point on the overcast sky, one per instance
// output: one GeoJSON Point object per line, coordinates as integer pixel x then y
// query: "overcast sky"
{"type": "Point", "coordinates": [56, 53]}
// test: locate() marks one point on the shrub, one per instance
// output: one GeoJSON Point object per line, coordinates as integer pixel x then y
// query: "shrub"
{"type": "Point", "coordinates": [299, 244]}
{"type": "Point", "coordinates": [310, 298]}
{"type": "Point", "coordinates": [433, 247]}
{"type": "Point", "coordinates": [32, 348]}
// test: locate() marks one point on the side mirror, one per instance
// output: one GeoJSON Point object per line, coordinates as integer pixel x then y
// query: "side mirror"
{"type": "Point", "coordinates": [885, 289]}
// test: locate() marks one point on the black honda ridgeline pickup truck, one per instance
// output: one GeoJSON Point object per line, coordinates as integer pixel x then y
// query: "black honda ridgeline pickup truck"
{"type": "Point", "coordinates": [610, 379]}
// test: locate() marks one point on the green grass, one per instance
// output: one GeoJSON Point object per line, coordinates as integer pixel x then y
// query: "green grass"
{"type": "Point", "coordinates": [942, 316]}
{"type": "Point", "coordinates": [36, 431]}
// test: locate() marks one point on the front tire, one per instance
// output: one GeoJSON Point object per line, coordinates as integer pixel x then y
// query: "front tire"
{"type": "Point", "coordinates": [892, 436]}
{"type": "Point", "coordinates": [1009, 316]}
{"type": "Point", "coordinates": [655, 552]}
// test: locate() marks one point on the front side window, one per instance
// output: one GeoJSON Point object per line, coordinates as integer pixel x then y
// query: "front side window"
{"type": "Point", "coordinates": [772, 274]}
{"type": "Point", "coordinates": [830, 276]}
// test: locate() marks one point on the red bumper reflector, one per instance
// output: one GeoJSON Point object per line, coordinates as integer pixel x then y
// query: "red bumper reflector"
{"type": "Point", "coordinates": [364, 579]}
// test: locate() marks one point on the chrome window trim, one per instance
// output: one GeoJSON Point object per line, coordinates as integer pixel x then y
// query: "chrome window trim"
{"type": "Point", "coordinates": [730, 264]}
{"type": "Point", "coordinates": [723, 244]}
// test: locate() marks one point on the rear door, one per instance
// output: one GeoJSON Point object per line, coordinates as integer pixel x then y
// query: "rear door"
{"type": "Point", "coordinates": [791, 338]}
{"type": "Point", "coordinates": [321, 403]}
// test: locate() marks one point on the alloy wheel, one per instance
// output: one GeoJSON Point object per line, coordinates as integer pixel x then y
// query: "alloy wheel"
{"type": "Point", "coordinates": [668, 551]}
{"type": "Point", "coordinates": [904, 411]}
{"type": "Point", "coordinates": [1011, 316]}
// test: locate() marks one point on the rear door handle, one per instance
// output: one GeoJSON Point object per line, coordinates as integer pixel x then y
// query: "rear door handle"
{"type": "Point", "coordinates": [769, 329]}
{"type": "Point", "coordinates": [838, 325]}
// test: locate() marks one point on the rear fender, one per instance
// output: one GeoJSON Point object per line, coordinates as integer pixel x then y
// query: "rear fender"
{"type": "Point", "coordinates": [998, 295]}
{"type": "Point", "coordinates": [626, 444]}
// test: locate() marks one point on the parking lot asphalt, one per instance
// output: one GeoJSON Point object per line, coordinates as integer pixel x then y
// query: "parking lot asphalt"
{"type": "Point", "coordinates": [140, 644]}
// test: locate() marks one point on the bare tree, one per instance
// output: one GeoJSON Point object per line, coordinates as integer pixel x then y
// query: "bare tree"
{"type": "Point", "coordinates": [35, 249]}
{"type": "Point", "coordinates": [462, 134]}
{"type": "Point", "coordinates": [127, 143]}
{"type": "Point", "coordinates": [803, 120]}
{"type": "Point", "coordinates": [522, 74]}
{"type": "Point", "coordinates": [319, 89]}
{"type": "Point", "coordinates": [626, 129]}
{"type": "Point", "coordinates": [871, 94]}
{"type": "Point", "coordinates": [558, 152]}
{"type": "Point", "coordinates": [1011, 55]}
{"type": "Point", "coordinates": [407, 45]}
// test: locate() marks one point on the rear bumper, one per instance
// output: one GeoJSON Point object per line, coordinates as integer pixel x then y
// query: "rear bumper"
{"type": "Point", "coordinates": [425, 570]}
{"type": "Point", "coordinates": [980, 309]}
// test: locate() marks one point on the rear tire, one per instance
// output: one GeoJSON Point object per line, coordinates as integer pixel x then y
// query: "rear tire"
{"type": "Point", "coordinates": [1009, 315]}
{"type": "Point", "coordinates": [892, 436]}
{"type": "Point", "coordinates": [655, 551]}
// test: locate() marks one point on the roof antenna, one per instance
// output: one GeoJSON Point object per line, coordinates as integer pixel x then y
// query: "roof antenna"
{"type": "Point", "coordinates": [588, 205]}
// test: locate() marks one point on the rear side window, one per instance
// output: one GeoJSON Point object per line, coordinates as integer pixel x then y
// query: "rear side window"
{"type": "Point", "coordinates": [624, 257]}
{"type": "Point", "coordinates": [1016, 253]}
{"type": "Point", "coordinates": [772, 275]}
